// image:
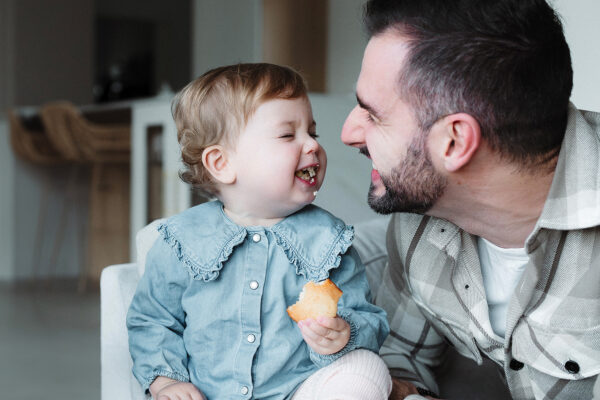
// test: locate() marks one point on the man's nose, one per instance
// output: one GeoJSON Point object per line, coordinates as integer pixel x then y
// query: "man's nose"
{"type": "Point", "coordinates": [352, 131]}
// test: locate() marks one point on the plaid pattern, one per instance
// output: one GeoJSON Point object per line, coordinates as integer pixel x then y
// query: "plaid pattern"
{"type": "Point", "coordinates": [432, 288]}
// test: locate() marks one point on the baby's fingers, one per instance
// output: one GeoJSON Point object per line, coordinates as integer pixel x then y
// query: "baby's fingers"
{"type": "Point", "coordinates": [312, 331]}
{"type": "Point", "coordinates": [318, 343]}
{"type": "Point", "coordinates": [317, 330]}
{"type": "Point", "coordinates": [337, 324]}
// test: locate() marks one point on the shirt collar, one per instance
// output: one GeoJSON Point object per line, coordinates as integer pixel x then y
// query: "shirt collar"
{"type": "Point", "coordinates": [203, 238]}
{"type": "Point", "coordinates": [574, 195]}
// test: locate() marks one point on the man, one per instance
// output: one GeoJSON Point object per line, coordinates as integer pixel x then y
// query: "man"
{"type": "Point", "coordinates": [463, 107]}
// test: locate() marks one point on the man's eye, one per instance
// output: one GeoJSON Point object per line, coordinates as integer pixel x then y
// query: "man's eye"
{"type": "Point", "coordinates": [370, 118]}
{"type": "Point", "coordinates": [287, 136]}
{"type": "Point", "coordinates": [314, 135]}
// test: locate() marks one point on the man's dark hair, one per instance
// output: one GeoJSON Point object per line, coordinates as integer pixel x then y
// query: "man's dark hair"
{"type": "Point", "coordinates": [504, 62]}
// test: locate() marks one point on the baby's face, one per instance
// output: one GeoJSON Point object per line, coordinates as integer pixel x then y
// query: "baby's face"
{"type": "Point", "coordinates": [278, 162]}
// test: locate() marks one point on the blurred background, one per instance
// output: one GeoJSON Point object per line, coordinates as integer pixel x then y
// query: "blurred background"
{"type": "Point", "coordinates": [88, 154]}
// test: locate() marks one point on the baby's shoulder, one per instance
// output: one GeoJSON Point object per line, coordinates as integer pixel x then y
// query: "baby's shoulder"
{"type": "Point", "coordinates": [202, 239]}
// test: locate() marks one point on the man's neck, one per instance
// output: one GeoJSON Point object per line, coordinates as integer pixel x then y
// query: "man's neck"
{"type": "Point", "coordinates": [498, 203]}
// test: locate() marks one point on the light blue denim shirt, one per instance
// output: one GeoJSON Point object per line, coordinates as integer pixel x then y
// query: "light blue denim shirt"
{"type": "Point", "coordinates": [211, 306]}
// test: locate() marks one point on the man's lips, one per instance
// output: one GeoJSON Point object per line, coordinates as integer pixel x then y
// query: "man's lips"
{"type": "Point", "coordinates": [365, 151]}
{"type": "Point", "coordinates": [375, 175]}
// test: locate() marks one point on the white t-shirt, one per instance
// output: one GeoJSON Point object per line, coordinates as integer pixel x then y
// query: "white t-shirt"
{"type": "Point", "coordinates": [501, 269]}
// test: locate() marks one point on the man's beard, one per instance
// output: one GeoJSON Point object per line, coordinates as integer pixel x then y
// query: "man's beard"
{"type": "Point", "coordinates": [414, 186]}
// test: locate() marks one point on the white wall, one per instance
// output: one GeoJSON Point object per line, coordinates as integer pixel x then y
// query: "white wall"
{"type": "Point", "coordinates": [345, 45]}
{"type": "Point", "coordinates": [52, 51]}
{"type": "Point", "coordinates": [225, 32]}
{"type": "Point", "coordinates": [7, 51]}
{"type": "Point", "coordinates": [6, 205]}
{"type": "Point", "coordinates": [581, 19]}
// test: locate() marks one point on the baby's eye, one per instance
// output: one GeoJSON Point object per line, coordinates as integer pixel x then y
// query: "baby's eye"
{"type": "Point", "coordinates": [286, 136]}
{"type": "Point", "coordinates": [313, 134]}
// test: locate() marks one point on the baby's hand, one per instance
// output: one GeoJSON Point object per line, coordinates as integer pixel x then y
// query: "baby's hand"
{"type": "Point", "coordinates": [164, 388]}
{"type": "Point", "coordinates": [325, 335]}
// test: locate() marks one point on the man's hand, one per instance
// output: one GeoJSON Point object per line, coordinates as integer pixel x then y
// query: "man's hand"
{"type": "Point", "coordinates": [164, 388]}
{"type": "Point", "coordinates": [325, 335]}
{"type": "Point", "coordinates": [401, 389]}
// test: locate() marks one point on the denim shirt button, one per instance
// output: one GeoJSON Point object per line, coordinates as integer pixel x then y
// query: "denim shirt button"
{"type": "Point", "coordinates": [244, 390]}
{"type": "Point", "coordinates": [256, 238]}
{"type": "Point", "coordinates": [254, 285]}
{"type": "Point", "coordinates": [251, 338]}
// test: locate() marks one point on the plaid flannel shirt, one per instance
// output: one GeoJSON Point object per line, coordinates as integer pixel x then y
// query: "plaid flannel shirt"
{"type": "Point", "coordinates": [432, 288]}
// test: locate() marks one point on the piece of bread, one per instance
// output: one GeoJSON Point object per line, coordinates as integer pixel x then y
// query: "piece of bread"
{"type": "Point", "coordinates": [316, 299]}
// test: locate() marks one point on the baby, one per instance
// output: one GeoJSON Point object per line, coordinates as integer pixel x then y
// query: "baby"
{"type": "Point", "coordinates": [208, 320]}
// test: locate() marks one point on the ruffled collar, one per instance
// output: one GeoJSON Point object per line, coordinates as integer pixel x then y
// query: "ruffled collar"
{"type": "Point", "coordinates": [203, 238]}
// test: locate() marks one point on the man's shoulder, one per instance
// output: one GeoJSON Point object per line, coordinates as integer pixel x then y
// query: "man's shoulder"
{"type": "Point", "coordinates": [405, 228]}
{"type": "Point", "coordinates": [592, 118]}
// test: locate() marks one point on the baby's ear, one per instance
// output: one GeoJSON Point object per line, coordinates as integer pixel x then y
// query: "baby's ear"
{"type": "Point", "coordinates": [215, 160]}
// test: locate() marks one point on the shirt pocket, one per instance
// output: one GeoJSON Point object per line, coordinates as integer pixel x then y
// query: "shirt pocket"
{"type": "Point", "coordinates": [563, 354]}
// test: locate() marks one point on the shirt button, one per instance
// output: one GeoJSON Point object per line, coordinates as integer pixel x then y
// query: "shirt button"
{"type": "Point", "coordinates": [244, 390]}
{"type": "Point", "coordinates": [256, 238]}
{"type": "Point", "coordinates": [251, 338]}
{"type": "Point", "coordinates": [572, 367]}
{"type": "Point", "coordinates": [516, 365]}
{"type": "Point", "coordinates": [254, 285]}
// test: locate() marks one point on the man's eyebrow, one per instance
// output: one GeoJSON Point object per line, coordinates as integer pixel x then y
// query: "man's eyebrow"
{"type": "Point", "coordinates": [367, 107]}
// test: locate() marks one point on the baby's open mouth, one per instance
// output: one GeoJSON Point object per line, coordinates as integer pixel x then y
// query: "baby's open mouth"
{"type": "Point", "coordinates": [308, 174]}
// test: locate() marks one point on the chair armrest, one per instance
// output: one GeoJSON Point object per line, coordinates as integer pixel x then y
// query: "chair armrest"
{"type": "Point", "coordinates": [117, 287]}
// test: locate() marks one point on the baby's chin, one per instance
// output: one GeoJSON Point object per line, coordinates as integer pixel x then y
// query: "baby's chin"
{"type": "Point", "coordinates": [299, 206]}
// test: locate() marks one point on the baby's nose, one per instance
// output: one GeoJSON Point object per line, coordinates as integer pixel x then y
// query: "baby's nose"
{"type": "Point", "coordinates": [311, 145]}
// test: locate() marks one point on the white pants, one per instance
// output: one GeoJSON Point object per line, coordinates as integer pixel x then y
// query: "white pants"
{"type": "Point", "coordinates": [357, 375]}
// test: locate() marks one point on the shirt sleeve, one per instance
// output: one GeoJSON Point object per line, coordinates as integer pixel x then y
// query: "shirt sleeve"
{"type": "Point", "coordinates": [413, 346]}
{"type": "Point", "coordinates": [368, 323]}
{"type": "Point", "coordinates": [156, 319]}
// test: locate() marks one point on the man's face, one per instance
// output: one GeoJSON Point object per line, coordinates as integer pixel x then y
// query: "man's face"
{"type": "Point", "coordinates": [384, 128]}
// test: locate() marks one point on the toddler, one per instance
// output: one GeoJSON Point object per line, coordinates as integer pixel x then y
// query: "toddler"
{"type": "Point", "coordinates": [208, 320]}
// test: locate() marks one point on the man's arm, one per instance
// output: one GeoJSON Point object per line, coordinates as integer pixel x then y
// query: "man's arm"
{"type": "Point", "coordinates": [413, 346]}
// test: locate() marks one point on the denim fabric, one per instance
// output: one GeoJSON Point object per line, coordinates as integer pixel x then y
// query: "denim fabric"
{"type": "Point", "coordinates": [198, 314]}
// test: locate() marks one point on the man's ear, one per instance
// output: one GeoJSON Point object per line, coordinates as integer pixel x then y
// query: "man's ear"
{"type": "Point", "coordinates": [462, 137]}
{"type": "Point", "coordinates": [215, 160]}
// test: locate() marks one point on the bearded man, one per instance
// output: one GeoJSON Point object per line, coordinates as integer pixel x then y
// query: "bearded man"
{"type": "Point", "coordinates": [494, 181]}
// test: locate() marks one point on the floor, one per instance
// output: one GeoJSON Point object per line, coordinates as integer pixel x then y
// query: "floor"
{"type": "Point", "coordinates": [49, 343]}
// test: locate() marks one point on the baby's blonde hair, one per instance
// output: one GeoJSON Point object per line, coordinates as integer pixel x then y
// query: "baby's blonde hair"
{"type": "Point", "coordinates": [214, 108]}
